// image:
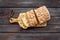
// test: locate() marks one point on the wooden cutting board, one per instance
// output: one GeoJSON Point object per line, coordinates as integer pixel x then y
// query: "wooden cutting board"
{"type": "Point", "coordinates": [14, 32]}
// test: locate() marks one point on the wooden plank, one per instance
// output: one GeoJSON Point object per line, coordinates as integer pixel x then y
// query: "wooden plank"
{"type": "Point", "coordinates": [6, 11]}
{"type": "Point", "coordinates": [7, 36]}
{"type": "Point", "coordinates": [30, 36]}
{"type": "Point", "coordinates": [9, 28]}
{"type": "Point", "coordinates": [17, 29]}
{"type": "Point", "coordinates": [29, 3]}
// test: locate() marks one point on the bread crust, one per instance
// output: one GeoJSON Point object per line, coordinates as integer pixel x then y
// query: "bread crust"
{"type": "Point", "coordinates": [42, 14]}
{"type": "Point", "coordinates": [20, 22]}
{"type": "Point", "coordinates": [31, 18]}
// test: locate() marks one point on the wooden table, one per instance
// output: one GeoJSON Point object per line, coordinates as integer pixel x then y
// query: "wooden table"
{"type": "Point", "coordinates": [14, 32]}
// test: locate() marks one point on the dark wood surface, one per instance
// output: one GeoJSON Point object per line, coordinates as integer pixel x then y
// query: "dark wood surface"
{"type": "Point", "coordinates": [14, 32]}
{"type": "Point", "coordinates": [29, 3]}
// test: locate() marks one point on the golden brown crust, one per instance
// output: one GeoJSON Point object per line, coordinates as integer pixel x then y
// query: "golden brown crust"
{"type": "Point", "coordinates": [45, 12]}
{"type": "Point", "coordinates": [20, 21]}
{"type": "Point", "coordinates": [23, 21]}
{"type": "Point", "coordinates": [31, 18]}
{"type": "Point", "coordinates": [39, 16]}
{"type": "Point", "coordinates": [42, 14]}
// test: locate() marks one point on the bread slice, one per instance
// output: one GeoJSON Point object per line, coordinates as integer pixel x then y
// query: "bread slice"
{"type": "Point", "coordinates": [20, 21]}
{"type": "Point", "coordinates": [44, 10]}
{"type": "Point", "coordinates": [39, 16]}
{"type": "Point", "coordinates": [24, 22]}
{"type": "Point", "coordinates": [31, 18]}
{"type": "Point", "coordinates": [42, 14]}
{"type": "Point", "coordinates": [24, 19]}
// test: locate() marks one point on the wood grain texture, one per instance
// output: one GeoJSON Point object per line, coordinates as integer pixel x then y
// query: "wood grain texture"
{"type": "Point", "coordinates": [30, 36]}
{"type": "Point", "coordinates": [29, 3]}
{"type": "Point", "coordinates": [17, 29]}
